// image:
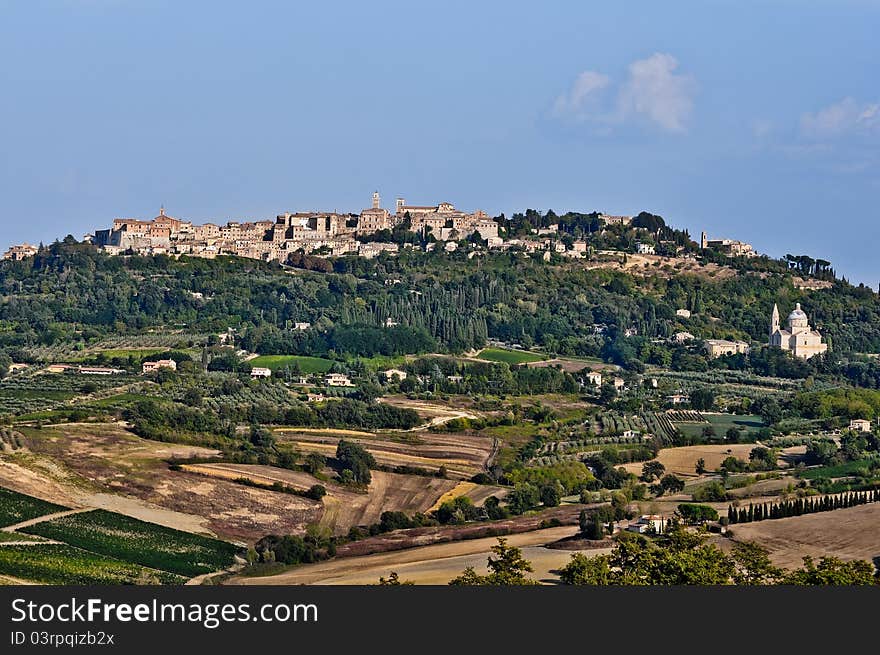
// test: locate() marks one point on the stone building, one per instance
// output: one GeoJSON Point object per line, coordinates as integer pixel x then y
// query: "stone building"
{"type": "Point", "coordinates": [719, 347]}
{"type": "Point", "coordinates": [800, 338]}
{"type": "Point", "coordinates": [19, 252]}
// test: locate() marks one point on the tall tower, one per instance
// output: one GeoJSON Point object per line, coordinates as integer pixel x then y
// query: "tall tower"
{"type": "Point", "coordinates": [376, 200]}
{"type": "Point", "coordinates": [774, 321]}
{"type": "Point", "coordinates": [401, 203]}
{"type": "Point", "coordinates": [703, 240]}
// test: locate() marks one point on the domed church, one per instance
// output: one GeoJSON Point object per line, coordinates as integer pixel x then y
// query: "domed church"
{"type": "Point", "coordinates": [801, 339]}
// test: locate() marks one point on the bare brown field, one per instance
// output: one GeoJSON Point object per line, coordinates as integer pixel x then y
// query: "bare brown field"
{"type": "Point", "coordinates": [463, 455]}
{"type": "Point", "coordinates": [483, 491]}
{"type": "Point", "coordinates": [105, 466]}
{"type": "Point", "coordinates": [566, 515]}
{"type": "Point", "coordinates": [427, 409]}
{"type": "Point", "coordinates": [336, 432]}
{"type": "Point", "coordinates": [343, 507]}
{"type": "Point", "coordinates": [852, 533]}
{"type": "Point", "coordinates": [478, 493]}
{"type": "Point", "coordinates": [434, 564]}
{"type": "Point", "coordinates": [36, 476]}
{"type": "Point", "coordinates": [791, 455]}
{"type": "Point", "coordinates": [683, 459]}
{"type": "Point", "coordinates": [461, 489]}
{"type": "Point", "coordinates": [433, 413]}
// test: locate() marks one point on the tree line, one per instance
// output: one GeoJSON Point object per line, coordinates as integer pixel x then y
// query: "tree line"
{"type": "Point", "coordinates": [797, 507]}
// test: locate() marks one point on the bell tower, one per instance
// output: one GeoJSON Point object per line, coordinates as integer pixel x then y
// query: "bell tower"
{"type": "Point", "coordinates": [376, 200]}
{"type": "Point", "coordinates": [774, 321]}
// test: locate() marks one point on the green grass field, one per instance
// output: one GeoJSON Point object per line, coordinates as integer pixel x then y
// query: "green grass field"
{"type": "Point", "coordinates": [137, 353]}
{"type": "Point", "coordinates": [722, 423]}
{"type": "Point", "coordinates": [16, 507]}
{"type": "Point", "coordinates": [835, 470]}
{"type": "Point", "coordinates": [12, 537]}
{"type": "Point", "coordinates": [121, 399]}
{"type": "Point", "coordinates": [743, 422]}
{"type": "Point", "coordinates": [379, 362]}
{"type": "Point", "coordinates": [509, 356]}
{"type": "Point", "coordinates": [128, 539]}
{"type": "Point", "coordinates": [306, 364]}
{"type": "Point", "coordinates": [60, 564]}
{"type": "Point", "coordinates": [39, 394]}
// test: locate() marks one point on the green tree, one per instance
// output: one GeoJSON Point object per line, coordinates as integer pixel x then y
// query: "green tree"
{"type": "Point", "coordinates": [679, 558]}
{"type": "Point", "coordinates": [551, 495]}
{"type": "Point", "coordinates": [753, 566]}
{"type": "Point", "coordinates": [833, 571]}
{"type": "Point", "coordinates": [763, 458]}
{"type": "Point", "coordinates": [652, 470]}
{"type": "Point", "coordinates": [262, 438]}
{"type": "Point", "coordinates": [671, 484]}
{"type": "Point", "coordinates": [393, 580]}
{"type": "Point", "coordinates": [354, 458]}
{"type": "Point", "coordinates": [524, 497]}
{"type": "Point", "coordinates": [5, 363]}
{"type": "Point", "coordinates": [703, 399]}
{"type": "Point", "coordinates": [592, 523]}
{"type": "Point", "coordinates": [316, 492]}
{"type": "Point", "coordinates": [193, 397]}
{"type": "Point", "coordinates": [593, 571]}
{"type": "Point", "coordinates": [711, 492]}
{"type": "Point", "coordinates": [693, 514]}
{"type": "Point", "coordinates": [506, 567]}
{"type": "Point", "coordinates": [314, 463]}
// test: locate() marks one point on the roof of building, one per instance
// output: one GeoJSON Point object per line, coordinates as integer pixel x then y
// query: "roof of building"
{"type": "Point", "coordinates": [797, 312]}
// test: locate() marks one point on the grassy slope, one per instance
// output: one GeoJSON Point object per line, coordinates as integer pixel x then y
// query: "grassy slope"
{"type": "Point", "coordinates": [509, 356]}
{"type": "Point", "coordinates": [16, 507]}
{"type": "Point", "coordinates": [306, 364]}
{"type": "Point", "coordinates": [122, 537]}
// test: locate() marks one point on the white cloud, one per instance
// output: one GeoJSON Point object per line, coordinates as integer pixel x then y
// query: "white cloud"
{"type": "Point", "coordinates": [652, 92]}
{"type": "Point", "coordinates": [656, 92]}
{"type": "Point", "coordinates": [582, 95]}
{"type": "Point", "coordinates": [844, 117]}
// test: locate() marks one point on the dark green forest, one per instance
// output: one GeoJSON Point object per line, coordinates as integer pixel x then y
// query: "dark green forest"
{"type": "Point", "coordinates": [433, 302]}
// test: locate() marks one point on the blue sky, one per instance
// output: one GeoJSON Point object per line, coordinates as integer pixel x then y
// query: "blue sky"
{"type": "Point", "coordinates": [751, 120]}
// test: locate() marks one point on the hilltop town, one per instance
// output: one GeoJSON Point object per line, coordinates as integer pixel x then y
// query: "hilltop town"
{"type": "Point", "coordinates": [366, 234]}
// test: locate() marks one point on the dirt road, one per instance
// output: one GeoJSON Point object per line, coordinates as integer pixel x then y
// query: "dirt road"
{"type": "Point", "coordinates": [43, 519]}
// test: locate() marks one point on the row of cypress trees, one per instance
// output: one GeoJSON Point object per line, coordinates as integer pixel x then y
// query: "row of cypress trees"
{"type": "Point", "coordinates": [801, 506]}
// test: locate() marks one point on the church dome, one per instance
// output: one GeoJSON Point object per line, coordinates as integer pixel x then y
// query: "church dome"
{"type": "Point", "coordinates": [797, 314]}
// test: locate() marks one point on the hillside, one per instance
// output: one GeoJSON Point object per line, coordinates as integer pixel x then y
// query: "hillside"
{"type": "Point", "coordinates": [70, 297]}
{"type": "Point", "coordinates": [435, 396]}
